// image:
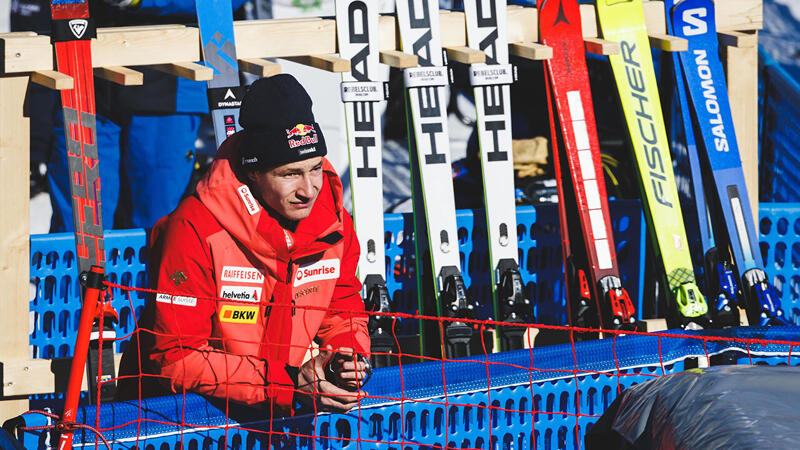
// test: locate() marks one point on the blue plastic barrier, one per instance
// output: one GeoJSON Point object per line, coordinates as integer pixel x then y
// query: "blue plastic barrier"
{"type": "Point", "coordinates": [532, 395]}
{"type": "Point", "coordinates": [56, 306]}
{"type": "Point", "coordinates": [779, 235]}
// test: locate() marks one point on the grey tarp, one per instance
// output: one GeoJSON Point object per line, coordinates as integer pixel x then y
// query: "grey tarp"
{"type": "Point", "coordinates": [719, 407]}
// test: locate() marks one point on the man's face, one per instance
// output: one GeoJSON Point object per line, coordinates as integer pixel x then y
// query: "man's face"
{"type": "Point", "coordinates": [290, 189]}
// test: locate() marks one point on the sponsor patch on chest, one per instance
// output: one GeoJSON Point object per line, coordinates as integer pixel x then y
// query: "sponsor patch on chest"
{"type": "Point", "coordinates": [238, 314]}
{"type": "Point", "coordinates": [242, 274]}
{"type": "Point", "coordinates": [325, 269]}
{"type": "Point", "coordinates": [176, 299]}
{"type": "Point", "coordinates": [243, 293]}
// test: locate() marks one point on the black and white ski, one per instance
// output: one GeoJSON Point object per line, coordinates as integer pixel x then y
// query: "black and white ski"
{"type": "Point", "coordinates": [357, 29]}
{"type": "Point", "coordinates": [486, 31]}
{"type": "Point", "coordinates": [433, 198]}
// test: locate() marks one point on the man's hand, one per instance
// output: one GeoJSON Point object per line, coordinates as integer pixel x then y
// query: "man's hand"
{"type": "Point", "coordinates": [312, 387]}
{"type": "Point", "coordinates": [348, 369]}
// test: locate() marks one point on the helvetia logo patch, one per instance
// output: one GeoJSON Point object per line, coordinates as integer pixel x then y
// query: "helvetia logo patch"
{"type": "Point", "coordinates": [325, 269]}
{"type": "Point", "coordinates": [176, 299]}
{"type": "Point", "coordinates": [241, 293]}
{"type": "Point", "coordinates": [247, 198]}
{"type": "Point", "coordinates": [242, 274]}
{"type": "Point", "coordinates": [238, 314]}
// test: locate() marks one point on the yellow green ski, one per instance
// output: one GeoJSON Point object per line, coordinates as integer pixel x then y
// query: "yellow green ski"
{"type": "Point", "coordinates": [622, 21]}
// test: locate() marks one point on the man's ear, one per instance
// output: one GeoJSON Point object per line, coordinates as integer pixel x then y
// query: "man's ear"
{"type": "Point", "coordinates": [251, 176]}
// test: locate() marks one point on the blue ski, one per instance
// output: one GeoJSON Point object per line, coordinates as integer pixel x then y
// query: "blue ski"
{"type": "Point", "coordinates": [720, 282]}
{"type": "Point", "coordinates": [215, 18]}
{"type": "Point", "coordinates": [702, 69]}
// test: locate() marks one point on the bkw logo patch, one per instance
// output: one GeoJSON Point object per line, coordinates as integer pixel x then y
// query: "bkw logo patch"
{"type": "Point", "coordinates": [238, 314]}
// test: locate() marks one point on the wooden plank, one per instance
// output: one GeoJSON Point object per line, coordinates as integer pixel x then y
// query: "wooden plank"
{"type": "Point", "coordinates": [739, 15]}
{"type": "Point", "coordinates": [465, 55]}
{"type": "Point", "coordinates": [589, 24]}
{"type": "Point", "coordinates": [329, 63]}
{"type": "Point", "coordinates": [522, 24]}
{"type": "Point", "coordinates": [388, 34]}
{"type": "Point", "coordinates": [597, 46]}
{"type": "Point", "coordinates": [741, 71]}
{"type": "Point", "coordinates": [39, 376]}
{"type": "Point", "coordinates": [52, 80]}
{"type": "Point", "coordinates": [22, 53]}
{"type": "Point", "coordinates": [278, 39]}
{"type": "Point", "coordinates": [15, 294]}
{"type": "Point", "coordinates": [145, 45]}
{"type": "Point", "coordinates": [120, 75]}
{"type": "Point", "coordinates": [655, 17]}
{"type": "Point", "coordinates": [738, 39]}
{"type": "Point", "coordinates": [398, 59]}
{"type": "Point", "coordinates": [530, 50]}
{"type": "Point", "coordinates": [668, 43]}
{"type": "Point", "coordinates": [259, 67]}
{"type": "Point", "coordinates": [189, 70]}
{"type": "Point", "coordinates": [454, 29]}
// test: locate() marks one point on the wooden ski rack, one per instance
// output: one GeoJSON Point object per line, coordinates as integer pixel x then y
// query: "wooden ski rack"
{"type": "Point", "coordinates": [28, 57]}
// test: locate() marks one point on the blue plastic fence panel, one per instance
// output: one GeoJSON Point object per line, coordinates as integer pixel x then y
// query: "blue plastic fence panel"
{"type": "Point", "coordinates": [779, 235]}
{"type": "Point", "coordinates": [541, 407]}
{"type": "Point", "coordinates": [55, 309]}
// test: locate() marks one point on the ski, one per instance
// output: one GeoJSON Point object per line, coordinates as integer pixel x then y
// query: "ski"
{"type": "Point", "coordinates": [73, 30]}
{"type": "Point", "coordinates": [358, 42]}
{"type": "Point", "coordinates": [486, 31]}
{"type": "Point", "coordinates": [435, 230]}
{"type": "Point", "coordinates": [594, 288]}
{"type": "Point", "coordinates": [215, 19]}
{"type": "Point", "coordinates": [720, 282]}
{"type": "Point", "coordinates": [623, 22]}
{"type": "Point", "coordinates": [705, 80]}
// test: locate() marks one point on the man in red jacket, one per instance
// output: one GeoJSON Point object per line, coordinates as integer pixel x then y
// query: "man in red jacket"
{"type": "Point", "coordinates": [255, 266]}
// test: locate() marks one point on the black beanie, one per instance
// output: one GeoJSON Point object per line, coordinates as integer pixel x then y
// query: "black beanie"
{"type": "Point", "coordinates": [279, 126]}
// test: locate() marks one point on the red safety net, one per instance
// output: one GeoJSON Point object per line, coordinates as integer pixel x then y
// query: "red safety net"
{"type": "Point", "coordinates": [552, 394]}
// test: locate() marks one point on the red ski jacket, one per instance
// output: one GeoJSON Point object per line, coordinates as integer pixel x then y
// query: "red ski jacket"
{"type": "Point", "coordinates": [240, 298]}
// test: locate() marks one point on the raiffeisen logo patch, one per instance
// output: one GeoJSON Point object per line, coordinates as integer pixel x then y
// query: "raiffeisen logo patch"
{"type": "Point", "coordinates": [325, 269]}
{"type": "Point", "coordinates": [238, 314]}
{"type": "Point", "coordinates": [242, 274]}
{"type": "Point", "coordinates": [241, 293]}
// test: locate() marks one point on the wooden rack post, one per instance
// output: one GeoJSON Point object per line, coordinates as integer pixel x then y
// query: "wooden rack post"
{"type": "Point", "coordinates": [26, 56]}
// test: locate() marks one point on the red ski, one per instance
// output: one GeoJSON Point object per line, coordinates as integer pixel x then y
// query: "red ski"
{"type": "Point", "coordinates": [72, 33]}
{"type": "Point", "coordinates": [594, 288]}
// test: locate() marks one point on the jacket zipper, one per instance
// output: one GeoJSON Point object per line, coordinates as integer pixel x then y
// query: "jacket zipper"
{"type": "Point", "coordinates": [289, 282]}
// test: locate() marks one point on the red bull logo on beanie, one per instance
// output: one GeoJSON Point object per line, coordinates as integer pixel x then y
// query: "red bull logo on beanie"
{"type": "Point", "coordinates": [306, 133]}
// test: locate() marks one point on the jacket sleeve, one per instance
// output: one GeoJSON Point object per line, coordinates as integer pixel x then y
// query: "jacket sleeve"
{"type": "Point", "coordinates": [185, 356]}
{"type": "Point", "coordinates": [345, 324]}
